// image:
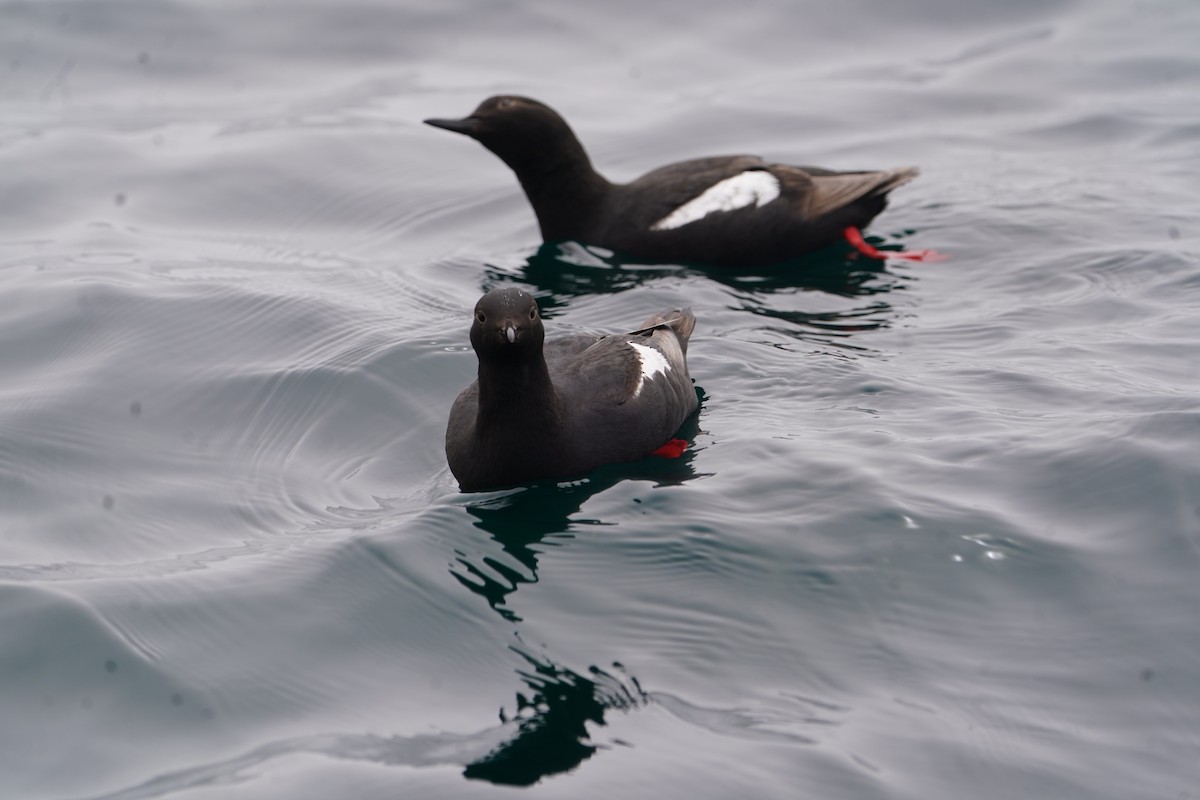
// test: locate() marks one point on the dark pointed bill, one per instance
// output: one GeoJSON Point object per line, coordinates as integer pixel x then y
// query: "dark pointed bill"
{"type": "Point", "coordinates": [465, 125]}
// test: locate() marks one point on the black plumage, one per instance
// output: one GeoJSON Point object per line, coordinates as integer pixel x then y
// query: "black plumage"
{"type": "Point", "coordinates": [558, 409]}
{"type": "Point", "coordinates": [811, 209]}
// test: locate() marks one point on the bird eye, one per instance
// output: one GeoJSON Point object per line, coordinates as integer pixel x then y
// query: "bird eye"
{"type": "Point", "coordinates": [480, 318]}
{"type": "Point", "coordinates": [533, 313]}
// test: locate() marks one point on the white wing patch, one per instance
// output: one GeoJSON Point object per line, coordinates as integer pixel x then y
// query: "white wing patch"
{"type": "Point", "coordinates": [652, 361]}
{"type": "Point", "coordinates": [754, 187]}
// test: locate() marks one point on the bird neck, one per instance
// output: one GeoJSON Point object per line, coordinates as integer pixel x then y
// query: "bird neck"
{"type": "Point", "coordinates": [517, 396]}
{"type": "Point", "coordinates": [565, 192]}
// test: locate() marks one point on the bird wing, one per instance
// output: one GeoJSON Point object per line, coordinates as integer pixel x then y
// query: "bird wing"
{"type": "Point", "coordinates": [826, 191]}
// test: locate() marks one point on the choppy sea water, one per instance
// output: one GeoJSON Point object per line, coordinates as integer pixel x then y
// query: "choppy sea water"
{"type": "Point", "coordinates": [938, 531]}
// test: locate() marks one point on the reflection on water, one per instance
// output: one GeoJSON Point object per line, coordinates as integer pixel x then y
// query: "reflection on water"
{"type": "Point", "coordinates": [521, 520]}
{"type": "Point", "coordinates": [552, 712]}
{"type": "Point", "coordinates": [552, 719]}
{"type": "Point", "coordinates": [552, 734]}
{"type": "Point", "coordinates": [558, 273]}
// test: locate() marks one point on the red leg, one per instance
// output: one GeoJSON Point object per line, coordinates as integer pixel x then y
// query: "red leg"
{"type": "Point", "coordinates": [672, 449]}
{"type": "Point", "coordinates": [855, 238]}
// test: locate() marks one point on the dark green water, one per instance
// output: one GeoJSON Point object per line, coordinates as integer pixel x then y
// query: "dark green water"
{"type": "Point", "coordinates": [938, 531]}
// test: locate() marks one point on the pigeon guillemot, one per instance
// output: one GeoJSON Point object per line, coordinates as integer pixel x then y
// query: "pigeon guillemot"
{"type": "Point", "coordinates": [560, 410]}
{"type": "Point", "coordinates": [725, 210]}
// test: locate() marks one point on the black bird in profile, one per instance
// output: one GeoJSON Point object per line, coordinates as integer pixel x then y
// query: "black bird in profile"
{"type": "Point", "coordinates": [725, 210]}
{"type": "Point", "coordinates": [555, 410]}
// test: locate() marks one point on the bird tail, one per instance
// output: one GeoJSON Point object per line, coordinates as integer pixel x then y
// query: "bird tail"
{"type": "Point", "coordinates": [897, 177]}
{"type": "Point", "coordinates": [680, 320]}
{"type": "Point", "coordinates": [837, 190]}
